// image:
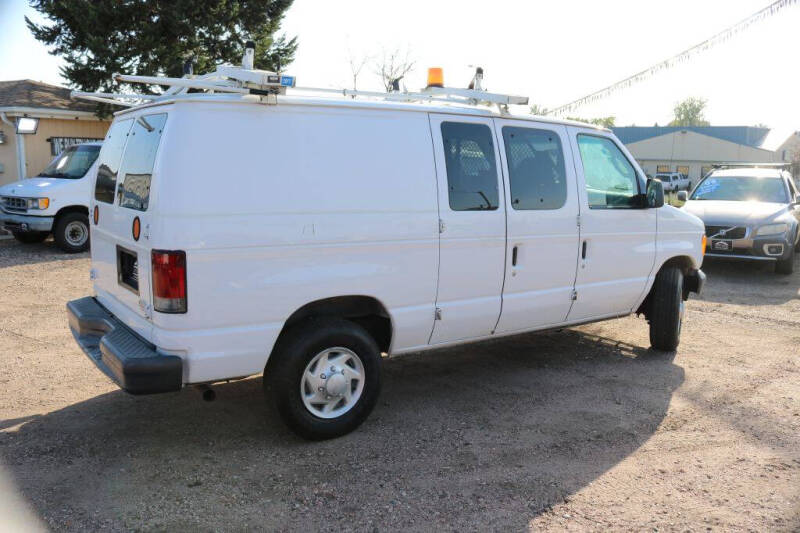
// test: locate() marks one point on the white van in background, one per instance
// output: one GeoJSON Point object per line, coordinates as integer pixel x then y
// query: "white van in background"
{"type": "Point", "coordinates": [306, 238]}
{"type": "Point", "coordinates": [55, 201]}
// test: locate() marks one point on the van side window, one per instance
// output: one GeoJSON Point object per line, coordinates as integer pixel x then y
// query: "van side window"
{"type": "Point", "coordinates": [110, 157]}
{"type": "Point", "coordinates": [611, 181]}
{"type": "Point", "coordinates": [536, 172]}
{"type": "Point", "coordinates": [471, 167]}
{"type": "Point", "coordinates": [137, 165]}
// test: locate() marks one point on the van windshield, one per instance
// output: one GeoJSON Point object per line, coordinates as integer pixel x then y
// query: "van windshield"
{"type": "Point", "coordinates": [73, 162]}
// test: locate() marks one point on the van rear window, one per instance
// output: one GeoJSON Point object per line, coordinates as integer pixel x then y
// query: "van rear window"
{"type": "Point", "coordinates": [138, 161]}
{"type": "Point", "coordinates": [110, 157]}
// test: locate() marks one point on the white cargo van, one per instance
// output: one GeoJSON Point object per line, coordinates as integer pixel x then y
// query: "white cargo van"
{"type": "Point", "coordinates": [308, 237]}
{"type": "Point", "coordinates": [55, 201]}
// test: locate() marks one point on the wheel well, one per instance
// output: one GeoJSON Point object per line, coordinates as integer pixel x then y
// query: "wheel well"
{"type": "Point", "coordinates": [683, 262]}
{"type": "Point", "coordinates": [71, 209]}
{"type": "Point", "coordinates": [365, 311]}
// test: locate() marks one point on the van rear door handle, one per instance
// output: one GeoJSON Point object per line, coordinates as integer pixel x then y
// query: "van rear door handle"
{"type": "Point", "coordinates": [514, 257]}
{"type": "Point", "coordinates": [583, 250]}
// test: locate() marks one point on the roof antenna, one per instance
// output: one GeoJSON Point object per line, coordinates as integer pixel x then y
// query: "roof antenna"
{"type": "Point", "coordinates": [396, 85]}
{"type": "Point", "coordinates": [249, 55]}
{"type": "Point", "coordinates": [188, 67]}
{"type": "Point", "coordinates": [477, 81]}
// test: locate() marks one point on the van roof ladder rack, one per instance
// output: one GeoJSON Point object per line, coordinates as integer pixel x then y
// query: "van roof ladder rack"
{"type": "Point", "coordinates": [228, 79]}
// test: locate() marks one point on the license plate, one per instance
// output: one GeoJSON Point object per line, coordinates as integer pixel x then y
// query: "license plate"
{"type": "Point", "coordinates": [722, 246]}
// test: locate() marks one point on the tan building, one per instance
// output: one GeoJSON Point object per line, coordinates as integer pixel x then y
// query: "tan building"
{"type": "Point", "coordinates": [692, 150]}
{"type": "Point", "coordinates": [61, 122]}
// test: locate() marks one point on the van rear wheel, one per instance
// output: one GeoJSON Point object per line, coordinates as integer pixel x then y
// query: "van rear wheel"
{"type": "Point", "coordinates": [324, 377]}
{"type": "Point", "coordinates": [667, 309]}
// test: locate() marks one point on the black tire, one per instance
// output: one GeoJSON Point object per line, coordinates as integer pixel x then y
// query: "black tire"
{"type": "Point", "coordinates": [295, 351]}
{"type": "Point", "coordinates": [65, 230]}
{"type": "Point", "coordinates": [785, 266]}
{"type": "Point", "coordinates": [30, 237]}
{"type": "Point", "coordinates": [666, 309]}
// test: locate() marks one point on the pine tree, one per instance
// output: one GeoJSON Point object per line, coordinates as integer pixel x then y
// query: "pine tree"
{"type": "Point", "coordinates": [156, 37]}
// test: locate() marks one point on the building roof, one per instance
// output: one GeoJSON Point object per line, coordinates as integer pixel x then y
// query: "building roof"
{"type": "Point", "coordinates": [35, 94]}
{"type": "Point", "coordinates": [745, 135]}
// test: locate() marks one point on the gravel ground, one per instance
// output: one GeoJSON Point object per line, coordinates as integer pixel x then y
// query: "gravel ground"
{"type": "Point", "coordinates": [584, 429]}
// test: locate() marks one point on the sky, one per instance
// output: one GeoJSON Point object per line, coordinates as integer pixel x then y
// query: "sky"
{"type": "Point", "coordinates": [553, 52]}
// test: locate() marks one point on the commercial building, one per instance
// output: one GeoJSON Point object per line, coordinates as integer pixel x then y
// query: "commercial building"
{"type": "Point", "coordinates": [692, 150]}
{"type": "Point", "coordinates": [37, 121]}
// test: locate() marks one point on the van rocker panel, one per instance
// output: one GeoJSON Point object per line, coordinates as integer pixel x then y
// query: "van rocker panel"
{"type": "Point", "coordinates": [130, 362]}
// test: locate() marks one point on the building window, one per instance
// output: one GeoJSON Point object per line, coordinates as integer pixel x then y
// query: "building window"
{"type": "Point", "coordinates": [59, 144]}
{"type": "Point", "coordinates": [663, 168]}
{"type": "Point", "coordinates": [683, 169]}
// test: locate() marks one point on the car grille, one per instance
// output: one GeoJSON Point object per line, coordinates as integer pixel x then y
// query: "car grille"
{"type": "Point", "coordinates": [12, 203]}
{"type": "Point", "coordinates": [730, 232]}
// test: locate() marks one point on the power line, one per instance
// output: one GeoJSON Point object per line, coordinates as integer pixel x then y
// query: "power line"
{"type": "Point", "coordinates": [687, 54]}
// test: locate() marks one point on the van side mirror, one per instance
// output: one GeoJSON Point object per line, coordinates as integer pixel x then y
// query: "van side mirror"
{"type": "Point", "coordinates": [683, 196]}
{"type": "Point", "coordinates": [655, 193]}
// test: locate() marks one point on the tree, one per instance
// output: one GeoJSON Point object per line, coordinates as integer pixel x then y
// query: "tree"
{"type": "Point", "coordinates": [690, 113]}
{"type": "Point", "coordinates": [605, 122]}
{"type": "Point", "coordinates": [393, 65]}
{"type": "Point", "coordinates": [536, 109]}
{"type": "Point", "coordinates": [356, 66]}
{"type": "Point", "coordinates": [154, 37]}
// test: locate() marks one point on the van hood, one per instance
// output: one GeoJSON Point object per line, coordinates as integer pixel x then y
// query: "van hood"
{"type": "Point", "coordinates": [728, 212]}
{"type": "Point", "coordinates": [33, 187]}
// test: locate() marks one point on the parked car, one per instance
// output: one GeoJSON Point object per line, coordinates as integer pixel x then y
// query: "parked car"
{"type": "Point", "coordinates": [308, 238]}
{"type": "Point", "coordinates": [55, 201]}
{"type": "Point", "coordinates": [750, 214]}
{"type": "Point", "coordinates": [673, 181]}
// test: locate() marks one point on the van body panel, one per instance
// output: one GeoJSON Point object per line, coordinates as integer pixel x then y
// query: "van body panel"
{"type": "Point", "coordinates": [315, 204]}
{"type": "Point", "coordinates": [620, 246]}
{"type": "Point", "coordinates": [472, 243]}
{"type": "Point", "coordinates": [538, 288]}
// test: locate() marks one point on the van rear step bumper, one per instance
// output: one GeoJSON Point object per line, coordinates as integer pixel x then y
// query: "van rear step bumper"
{"type": "Point", "coordinates": [126, 358]}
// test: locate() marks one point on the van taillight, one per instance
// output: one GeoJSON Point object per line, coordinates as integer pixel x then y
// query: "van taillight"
{"type": "Point", "coordinates": [169, 281]}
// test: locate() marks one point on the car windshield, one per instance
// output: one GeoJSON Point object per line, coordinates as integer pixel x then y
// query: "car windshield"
{"type": "Point", "coordinates": [741, 189]}
{"type": "Point", "coordinates": [72, 163]}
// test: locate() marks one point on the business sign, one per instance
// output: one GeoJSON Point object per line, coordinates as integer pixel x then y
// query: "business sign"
{"type": "Point", "coordinates": [59, 144]}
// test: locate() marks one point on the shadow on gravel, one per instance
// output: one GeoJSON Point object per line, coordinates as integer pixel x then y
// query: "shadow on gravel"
{"type": "Point", "coordinates": [749, 283]}
{"type": "Point", "coordinates": [478, 437]}
{"type": "Point", "coordinates": [13, 253]}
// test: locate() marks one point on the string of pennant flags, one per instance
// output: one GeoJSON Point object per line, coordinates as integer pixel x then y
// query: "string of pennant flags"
{"type": "Point", "coordinates": [721, 37]}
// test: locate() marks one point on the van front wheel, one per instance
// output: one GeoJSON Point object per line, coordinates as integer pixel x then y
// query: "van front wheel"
{"type": "Point", "coordinates": [667, 309]}
{"type": "Point", "coordinates": [325, 377]}
{"type": "Point", "coordinates": [71, 232]}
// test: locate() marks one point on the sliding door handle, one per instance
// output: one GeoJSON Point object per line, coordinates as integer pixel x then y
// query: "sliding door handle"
{"type": "Point", "coordinates": [514, 257]}
{"type": "Point", "coordinates": [583, 250]}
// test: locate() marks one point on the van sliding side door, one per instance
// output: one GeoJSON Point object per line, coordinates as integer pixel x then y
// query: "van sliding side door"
{"type": "Point", "coordinates": [543, 199]}
{"type": "Point", "coordinates": [472, 238]}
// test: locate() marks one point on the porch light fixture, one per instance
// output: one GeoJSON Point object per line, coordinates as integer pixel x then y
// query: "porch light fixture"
{"type": "Point", "coordinates": [27, 125]}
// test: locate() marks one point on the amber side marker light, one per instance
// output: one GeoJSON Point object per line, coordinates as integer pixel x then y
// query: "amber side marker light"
{"type": "Point", "coordinates": [96, 215]}
{"type": "Point", "coordinates": [435, 77]}
{"type": "Point", "coordinates": [705, 242]}
{"type": "Point", "coordinates": [137, 228]}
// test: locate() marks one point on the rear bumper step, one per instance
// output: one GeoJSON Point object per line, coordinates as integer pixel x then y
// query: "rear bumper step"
{"type": "Point", "coordinates": [122, 355]}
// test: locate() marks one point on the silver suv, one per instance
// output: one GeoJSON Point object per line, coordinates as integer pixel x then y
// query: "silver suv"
{"type": "Point", "coordinates": [749, 213]}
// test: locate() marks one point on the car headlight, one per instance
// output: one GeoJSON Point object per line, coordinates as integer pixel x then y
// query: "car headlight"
{"type": "Point", "coordinates": [772, 229]}
{"type": "Point", "coordinates": [38, 203]}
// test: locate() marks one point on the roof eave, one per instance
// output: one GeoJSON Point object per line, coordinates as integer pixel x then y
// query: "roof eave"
{"type": "Point", "coordinates": [45, 112]}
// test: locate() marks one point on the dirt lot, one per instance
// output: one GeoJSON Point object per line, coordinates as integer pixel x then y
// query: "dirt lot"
{"type": "Point", "coordinates": [582, 429]}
